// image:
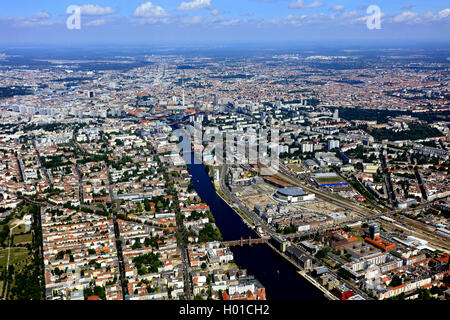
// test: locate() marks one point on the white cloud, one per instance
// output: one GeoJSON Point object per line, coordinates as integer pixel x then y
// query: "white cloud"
{"type": "Point", "coordinates": [352, 19]}
{"type": "Point", "coordinates": [96, 10]}
{"type": "Point", "coordinates": [151, 13]}
{"type": "Point", "coordinates": [217, 16]}
{"type": "Point", "coordinates": [36, 22]}
{"type": "Point", "coordinates": [428, 15]}
{"type": "Point", "coordinates": [350, 14]}
{"type": "Point", "coordinates": [230, 22]}
{"type": "Point", "coordinates": [12, 19]}
{"type": "Point", "coordinates": [410, 17]}
{"type": "Point", "coordinates": [406, 16]}
{"type": "Point", "coordinates": [95, 23]}
{"type": "Point", "coordinates": [333, 19]}
{"type": "Point", "coordinates": [194, 5]}
{"type": "Point", "coordinates": [338, 7]}
{"type": "Point", "coordinates": [193, 20]}
{"type": "Point", "coordinates": [293, 20]}
{"type": "Point", "coordinates": [42, 15]}
{"type": "Point", "coordinates": [299, 4]}
{"type": "Point", "coordinates": [444, 13]}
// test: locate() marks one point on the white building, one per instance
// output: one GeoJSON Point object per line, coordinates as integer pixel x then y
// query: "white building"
{"type": "Point", "coordinates": [332, 144]}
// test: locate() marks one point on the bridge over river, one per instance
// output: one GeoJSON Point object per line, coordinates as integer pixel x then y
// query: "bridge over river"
{"type": "Point", "coordinates": [244, 242]}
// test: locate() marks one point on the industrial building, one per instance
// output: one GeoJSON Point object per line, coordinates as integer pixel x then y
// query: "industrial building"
{"type": "Point", "coordinates": [293, 194]}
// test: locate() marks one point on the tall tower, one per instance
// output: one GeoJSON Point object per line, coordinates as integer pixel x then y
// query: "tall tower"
{"type": "Point", "coordinates": [336, 115]}
{"type": "Point", "coordinates": [183, 97]}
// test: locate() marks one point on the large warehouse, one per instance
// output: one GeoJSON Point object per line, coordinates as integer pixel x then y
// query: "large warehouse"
{"type": "Point", "coordinates": [293, 194]}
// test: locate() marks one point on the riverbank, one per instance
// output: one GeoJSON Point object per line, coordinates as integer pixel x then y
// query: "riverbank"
{"type": "Point", "coordinates": [244, 218]}
{"type": "Point", "coordinates": [327, 293]}
{"type": "Point", "coordinates": [278, 276]}
{"type": "Point", "coordinates": [218, 189]}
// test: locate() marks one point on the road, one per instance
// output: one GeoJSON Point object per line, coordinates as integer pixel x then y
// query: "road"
{"type": "Point", "coordinates": [20, 164]}
{"type": "Point", "coordinates": [184, 252]}
{"type": "Point", "coordinates": [387, 179]}
{"type": "Point", "coordinates": [43, 169]}
{"type": "Point", "coordinates": [117, 235]}
{"type": "Point", "coordinates": [187, 280]}
{"type": "Point", "coordinates": [80, 184]}
{"type": "Point", "coordinates": [421, 186]}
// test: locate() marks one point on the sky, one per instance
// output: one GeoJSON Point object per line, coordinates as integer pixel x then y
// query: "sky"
{"type": "Point", "coordinates": [190, 21]}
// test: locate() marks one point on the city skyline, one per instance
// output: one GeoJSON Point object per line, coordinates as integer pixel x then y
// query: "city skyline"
{"type": "Point", "coordinates": [293, 151]}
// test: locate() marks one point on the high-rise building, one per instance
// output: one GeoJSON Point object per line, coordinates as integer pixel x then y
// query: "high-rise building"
{"type": "Point", "coordinates": [336, 115]}
{"type": "Point", "coordinates": [374, 230]}
{"type": "Point", "coordinates": [332, 144]}
{"type": "Point", "coordinates": [307, 147]}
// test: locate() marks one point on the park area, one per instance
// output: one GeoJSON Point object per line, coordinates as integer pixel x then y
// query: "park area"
{"type": "Point", "coordinates": [17, 255]}
{"type": "Point", "coordinates": [16, 240]}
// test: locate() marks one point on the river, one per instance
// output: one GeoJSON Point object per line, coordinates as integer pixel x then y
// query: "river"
{"type": "Point", "coordinates": [278, 276]}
